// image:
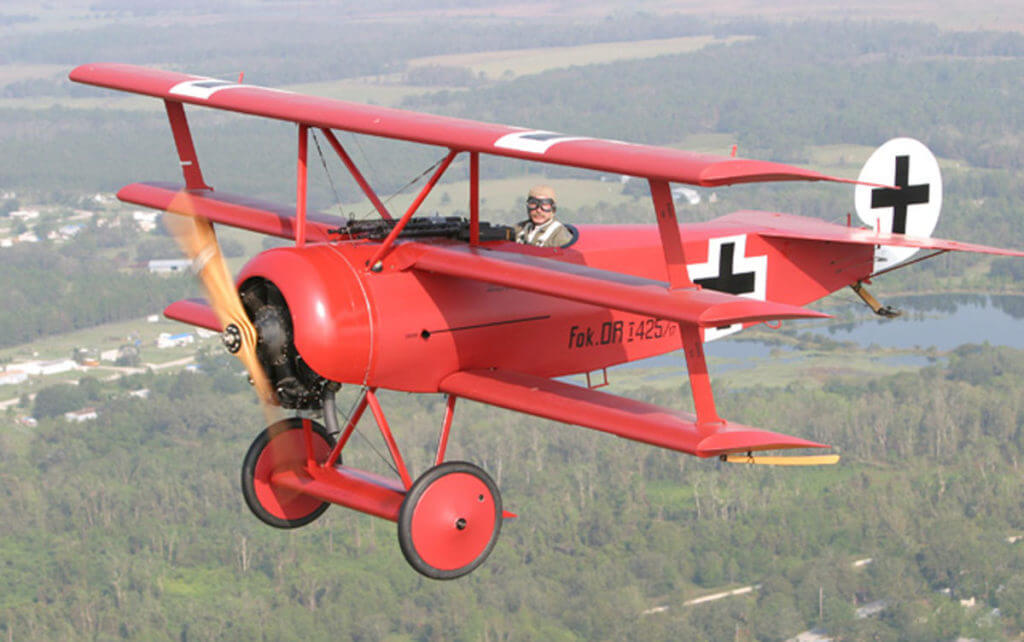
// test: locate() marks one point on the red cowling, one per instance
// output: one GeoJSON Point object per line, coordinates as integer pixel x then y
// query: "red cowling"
{"type": "Point", "coordinates": [328, 306]}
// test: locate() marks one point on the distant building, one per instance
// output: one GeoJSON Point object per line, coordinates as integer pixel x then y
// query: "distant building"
{"type": "Point", "coordinates": [44, 367]}
{"type": "Point", "coordinates": [28, 421]}
{"type": "Point", "coordinates": [13, 377]}
{"type": "Point", "coordinates": [146, 221]}
{"type": "Point", "coordinates": [168, 266]}
{"type": "Point", "coordinates": [110, 355]}
{"type": "Point", "coordinates": [78, 416]}
{"type": "Point", "coordinates": [690, 196]}
{"type": "Point", "coordinates": [25, 215]}
{"type": "Point", "coordinates": [70, 230]}
{"type": "Point", "coordinates": [167, 340]}
{"type": "Point", "coordinates": [141, 393]}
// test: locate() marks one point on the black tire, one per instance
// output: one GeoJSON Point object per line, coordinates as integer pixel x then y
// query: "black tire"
{"type": "Point", "coordinates": [306, 509]}
{"type": "Point", "coordinates": [441, 550]}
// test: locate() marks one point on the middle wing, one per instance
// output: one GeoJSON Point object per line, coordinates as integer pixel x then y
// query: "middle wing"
{"type": "Point", "coordinates": [703, 308]}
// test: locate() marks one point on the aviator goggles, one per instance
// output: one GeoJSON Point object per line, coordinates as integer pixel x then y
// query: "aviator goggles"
{"type": "Point", "coordinates": [545, 204]}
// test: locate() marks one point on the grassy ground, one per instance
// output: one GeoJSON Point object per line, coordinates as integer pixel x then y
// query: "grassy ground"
{"type": "Point", "coordinates": [508, 64]}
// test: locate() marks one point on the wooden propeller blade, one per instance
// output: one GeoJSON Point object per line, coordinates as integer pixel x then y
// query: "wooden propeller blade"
{"type": "Point", "coordinates": [199, 242]}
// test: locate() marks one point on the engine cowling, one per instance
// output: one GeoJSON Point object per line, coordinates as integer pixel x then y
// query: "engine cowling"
{"type": "Point", "coordinates": [313, 321]}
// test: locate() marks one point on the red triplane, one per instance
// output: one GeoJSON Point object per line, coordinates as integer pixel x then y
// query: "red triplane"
{"type": "Point", "coordinates": [450, 306]}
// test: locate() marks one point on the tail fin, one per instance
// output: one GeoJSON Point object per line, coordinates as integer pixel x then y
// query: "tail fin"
{"type": "Point", "coordinates": [913, 209]}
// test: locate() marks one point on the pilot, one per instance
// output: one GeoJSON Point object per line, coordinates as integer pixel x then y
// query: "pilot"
{"type": "Point", "coordinates": [541, 229]}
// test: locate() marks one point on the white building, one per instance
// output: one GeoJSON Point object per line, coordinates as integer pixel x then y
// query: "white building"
{"type": "Point", "coordinates": [78, 416]}
{"type": "Point", "coordinates": [146, 221]}
{"type": "Point", "coordinates": [45, 367]}
{"type": "Point", "coordinates": [25, 215]}
{"type": "Point", "coordinates": [168, 266]}
{"type": "Point", "coordinates": [57, 366]}
{"type": "Point", "coordinates": [690, 196]}
{"type": "Point", "coordinates": [168, 340]}
{"type": "Point", "coordinates": [13, 377]}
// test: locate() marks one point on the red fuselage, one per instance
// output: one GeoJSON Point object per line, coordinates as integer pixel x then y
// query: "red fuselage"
{"type": "Point", "coordinates": [407, 330]}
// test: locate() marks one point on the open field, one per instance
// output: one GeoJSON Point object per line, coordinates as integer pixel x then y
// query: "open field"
{"type": "Point", "coordinates": [508, 64]}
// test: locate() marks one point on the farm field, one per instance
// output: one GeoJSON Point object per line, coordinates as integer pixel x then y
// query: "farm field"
{"type": "Point", "coordinates": [509, 64]}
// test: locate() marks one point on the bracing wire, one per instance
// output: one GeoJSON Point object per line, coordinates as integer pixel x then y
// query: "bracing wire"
{"type": "Point", "coordinates": [330, 179]}
{"type": "Point", "coordinates": [410, 183]}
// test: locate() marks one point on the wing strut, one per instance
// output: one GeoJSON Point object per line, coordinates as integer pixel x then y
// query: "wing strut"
{"type": "Point", "coordinates": [400, 225]}
{"type": "Point", "coordinates": [671, 241]}
{"type": "Point", "coordinates": [474, 198]}
{"type": "Point", "coordinates": [186, 149]}
{"type": "Point", "coordinates": [693, 346]}
{"type": "Point", "coordinates": [356, 174]}
{"type": "Point", "coordinates": [700, 382]}
{"type": "Point", "coordinates": [302, 175]}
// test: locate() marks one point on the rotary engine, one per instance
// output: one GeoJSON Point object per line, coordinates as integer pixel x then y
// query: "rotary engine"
{"type": "Point", "coordinates": [297, 386]}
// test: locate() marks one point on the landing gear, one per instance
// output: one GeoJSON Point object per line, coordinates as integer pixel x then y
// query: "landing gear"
{"type": "Point", "coordinates": [450, 520]}
{"type": "Point", "coordinates": [282, 446]}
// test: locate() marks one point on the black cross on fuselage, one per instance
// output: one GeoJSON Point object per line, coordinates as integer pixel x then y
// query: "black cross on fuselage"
{"type": "Point", "coordinates": [900, 199]}
{"type": "Point", "coordinates": [727, 281]}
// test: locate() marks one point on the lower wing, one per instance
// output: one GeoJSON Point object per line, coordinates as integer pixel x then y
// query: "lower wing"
{"type": "Point", "coordinates": [626, 418]}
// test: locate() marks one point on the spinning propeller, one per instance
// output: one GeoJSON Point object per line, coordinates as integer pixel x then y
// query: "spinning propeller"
{"type": "Point", "coordinates": [198, 241]}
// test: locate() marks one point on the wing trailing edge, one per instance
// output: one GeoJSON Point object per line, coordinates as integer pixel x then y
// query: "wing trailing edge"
{"type": "Point", "coordinates": [626, 418]}
{"type": "Point", "coordinates": [703, 308]}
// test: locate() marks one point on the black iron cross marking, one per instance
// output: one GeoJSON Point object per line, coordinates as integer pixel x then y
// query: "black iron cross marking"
{"type": "Point", "coordinates": [727, 281]}
{"type": "Point", "coordinates": [899, 199]}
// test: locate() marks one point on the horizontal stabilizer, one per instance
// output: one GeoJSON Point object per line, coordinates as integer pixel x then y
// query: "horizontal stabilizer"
{"type": "Point", "coordinates": [626, 418]}
{"type": "Point", "coordinates": [229, 209]}
{"type": "Point", "coordinates": [704, 308]}
{"type": "Point", "coordinates": [195, 312]}
{"type": "Point", "coordinates": [790, 226]}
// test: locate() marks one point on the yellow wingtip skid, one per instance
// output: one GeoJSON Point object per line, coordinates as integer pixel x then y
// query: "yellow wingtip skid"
{"type": "Point", "coordinates": [791, 460]}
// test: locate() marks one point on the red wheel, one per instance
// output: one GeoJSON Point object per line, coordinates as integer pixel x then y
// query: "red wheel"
{"type": "Point", "coordinates": [282, 446]}
{"type": "Point", "coordinates": [450, 520]}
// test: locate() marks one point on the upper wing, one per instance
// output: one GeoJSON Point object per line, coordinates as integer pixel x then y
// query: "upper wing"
{"type": "Point", "coordinates": [704, 308]}
{"type": "Point", "coordinates": [655, 163]}
{"type": "Point", "coordinates": [609, 413]}
{"type": "Point", "coordinates": [789, 226]}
